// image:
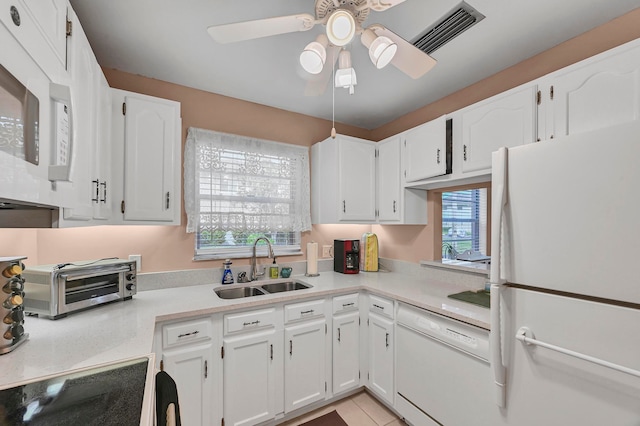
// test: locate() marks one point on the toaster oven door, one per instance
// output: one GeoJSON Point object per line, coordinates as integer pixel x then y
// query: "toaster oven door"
{"type": "Point", "coordinates": [85, 289]}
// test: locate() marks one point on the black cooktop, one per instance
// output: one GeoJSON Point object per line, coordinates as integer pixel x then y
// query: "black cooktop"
{"type": "Point", "coordinates": [110, 395]}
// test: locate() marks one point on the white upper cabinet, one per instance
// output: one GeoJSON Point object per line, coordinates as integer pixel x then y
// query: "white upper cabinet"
{"type": "Point", "coordinates": [102, 206]}
{"type": "Point", "coordinates": [389, 186]}
{"type": "Point", "coordinates": [147, 145]}
{"type": "Point", "coordinates": [507, 120]}
{"type": "Point", "coordinates": [598, 92]}
{"type": "Point", "coordinates": [83, 72]}
{"type": "Point", "coordinates": [343, 182]}
{"type": "Point", "coordinates": [425, 150]}
{"type": "Point", "coordinates": [41, 28]}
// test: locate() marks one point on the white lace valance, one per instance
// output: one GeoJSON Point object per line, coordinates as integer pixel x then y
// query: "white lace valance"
{"type": "Point", "coordinates": [237, 183]}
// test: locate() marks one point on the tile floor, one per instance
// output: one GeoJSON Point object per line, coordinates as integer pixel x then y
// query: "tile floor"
{"type": "Point", "coordinates": [358, 410]}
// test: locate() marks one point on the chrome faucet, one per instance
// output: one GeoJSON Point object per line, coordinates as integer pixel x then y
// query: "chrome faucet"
{"type": "Point", "coordinates": [253, 273]}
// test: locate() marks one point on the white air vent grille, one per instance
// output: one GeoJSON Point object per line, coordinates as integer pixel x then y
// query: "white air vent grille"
{"type": "Point", "coordinates": [461, 18]}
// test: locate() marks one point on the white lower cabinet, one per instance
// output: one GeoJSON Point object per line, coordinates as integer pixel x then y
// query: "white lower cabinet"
{"type": "Point", "coordinates": [381, 348]}
{"type": "Point", "coordinates": [249, 378]}
{"type": "Point", "coordinates": [346, 343]}
{"type": "Point", "coordinates": [187, 355]}
{"type": "Point", "coordinates": [189, 367]}
{"type": "Point", "coordinates": [304, 369]}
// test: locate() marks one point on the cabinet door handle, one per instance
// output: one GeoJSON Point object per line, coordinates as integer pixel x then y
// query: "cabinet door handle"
{"type": "Point", "coordinates": [290, 347]}
{"type": "Point", "coordinates": [97, 186]}
{"type": "Point", "coordinates": [206, 368]}
{"type": "Point", "coordinates": [271, 352]}
{"type": "Point", "coordinates": [168, 200]}
{"type": "Point", "coordinates": [338, 334]}
{"type": "Point", "coordinates": [464, 152]}
{"type": "Point", "coordinates": [344, 206]}
{"type": "Point", "coordinates": [394, 206]}
{"type": "Point", "coordinates": [386, 340]}
{"type": "Point", "coordinates": [438, 156]}
{"type": "Point", "coordinates": [104, 191]}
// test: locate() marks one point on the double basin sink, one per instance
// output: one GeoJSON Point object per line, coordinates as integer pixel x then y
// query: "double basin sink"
{"type": "Point", "coordinates": [259, 289]}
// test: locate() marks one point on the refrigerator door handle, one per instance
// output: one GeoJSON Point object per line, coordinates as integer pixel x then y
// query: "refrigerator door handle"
{"type": "Point", "coordinates": [527, 337]}
{"type": "Point", "coordinates": [499, 178]}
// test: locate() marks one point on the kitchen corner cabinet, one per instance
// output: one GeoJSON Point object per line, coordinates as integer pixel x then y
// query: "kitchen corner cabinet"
{"type": "Point", "coordinates": [505, 120]}
{"type": "Point", "coordinates": [598, 92]}
{"type": "Point", "coordinates": [147, 145]}
{"type": "Point", "coordinates": [396, 204]}
{"type": "Point", "coordinates": [343, 182]}
{"type": "Point", "coordinates": [381, 348]}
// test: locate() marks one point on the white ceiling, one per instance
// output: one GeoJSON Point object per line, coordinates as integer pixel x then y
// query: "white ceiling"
{"type": "Point", "coordinates": [168, 40]}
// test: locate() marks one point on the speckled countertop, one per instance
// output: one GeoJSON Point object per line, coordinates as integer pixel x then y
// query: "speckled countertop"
{"type": "Point", "coordinates": [125, 330]}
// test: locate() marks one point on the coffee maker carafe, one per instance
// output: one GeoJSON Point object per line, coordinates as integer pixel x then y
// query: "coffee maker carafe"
{"type": "Point", "coordinates": [346, 257]}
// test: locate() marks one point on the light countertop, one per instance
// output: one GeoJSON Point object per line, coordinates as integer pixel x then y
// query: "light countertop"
{"type": "Point", "coordinates": [124, 330]}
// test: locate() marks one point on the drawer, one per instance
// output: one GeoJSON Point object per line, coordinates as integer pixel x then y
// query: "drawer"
{"type": "Point", "coordinates": [244, 321]}
{"type": "Point", "coordinates": [381, 306]}
{"type": "Point", "coordinates": [304, 310]}
{"type": "Point", "coordinates": [348, 302]}
{"type": "Point", "coordinates": [184, 332]}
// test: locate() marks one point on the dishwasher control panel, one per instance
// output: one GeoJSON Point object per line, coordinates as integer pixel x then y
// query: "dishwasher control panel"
{"type": "Point", "coordinates": [465, 337]}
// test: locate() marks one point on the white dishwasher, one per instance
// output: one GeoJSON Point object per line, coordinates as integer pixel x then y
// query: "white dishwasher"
{"type": "Point", "coordinates": [442, 371]}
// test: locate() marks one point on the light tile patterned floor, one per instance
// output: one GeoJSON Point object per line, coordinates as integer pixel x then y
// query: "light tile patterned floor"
{"type": "Point", "coordinates": [358, 410]}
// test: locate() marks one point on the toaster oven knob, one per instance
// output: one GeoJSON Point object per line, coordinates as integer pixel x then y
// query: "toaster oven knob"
{"type": "Point", "coordinates": [131, 286]}
{"type": "Point", "coordinates": [130, 276]}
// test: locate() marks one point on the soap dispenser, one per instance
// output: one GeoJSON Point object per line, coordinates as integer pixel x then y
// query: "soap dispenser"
{"type": "Point", "coordinates": [227, 275]}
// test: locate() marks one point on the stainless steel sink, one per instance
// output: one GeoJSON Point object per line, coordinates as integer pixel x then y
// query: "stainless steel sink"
{"type": "Point", "coordinates": [238, 292]}
{"type": "Point", "coordinates": [259, 290]}
{"type": "Point", "coordinates": [284, 286]}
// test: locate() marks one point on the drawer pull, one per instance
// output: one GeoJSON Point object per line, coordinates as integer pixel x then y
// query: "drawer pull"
{"type": "Point", "coordinates": [386, 340]}
{"type": "Point", "coordinates": [290, 347]}
{"type": "Point", "coordinates": [310, 311]}
{"type": "Point", "coordinates": [378, 306]}
{"type": "Point", "coordinates": [271, 352]}
{"type": "Point", "coordinates": [206, 369]}
{"type": "Point", "coordinates": [344, 305]}
{"type": "Point", "coordinates": [246, 324]}
{"type": "Point", "coordinates": [193, 333]}
{"type": "Point", "coordinates": [338, 334]}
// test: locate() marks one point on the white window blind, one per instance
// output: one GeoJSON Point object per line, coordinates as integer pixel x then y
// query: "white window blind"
{"type": "Point", "coordinates": [464, 221]}
{"type": "Point", "coordinates": [239, 188]}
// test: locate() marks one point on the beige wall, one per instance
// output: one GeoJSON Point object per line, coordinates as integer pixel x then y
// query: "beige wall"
{"type": "Point", "coordinates": [165, 248]}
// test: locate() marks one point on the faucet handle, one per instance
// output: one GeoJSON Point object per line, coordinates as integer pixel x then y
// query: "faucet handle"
{"type": "Point", "coordinates": [242, 277]}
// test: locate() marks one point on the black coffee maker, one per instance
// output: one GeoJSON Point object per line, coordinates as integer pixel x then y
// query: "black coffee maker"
{"type": "Point", "coordinates": [346, 256]}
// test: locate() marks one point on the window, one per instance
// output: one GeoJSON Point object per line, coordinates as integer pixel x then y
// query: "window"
{"type": "Point", "coordinates": [239, 188]}
{"type": "Point", "coordinates": [464, 222]}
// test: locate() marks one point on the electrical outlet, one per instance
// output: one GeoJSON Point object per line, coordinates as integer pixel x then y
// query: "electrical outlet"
{"type": "Point", "coordinates": [138, 259]}
{"type": "Point", "coordinates": [326, 251]}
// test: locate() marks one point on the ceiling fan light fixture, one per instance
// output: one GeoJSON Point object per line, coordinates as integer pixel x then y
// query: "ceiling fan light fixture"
{"type": "Point", "coordinates": [341, 27]}
{"type": "Point", "coordinates": [314, 55]}
{"type": "Point", "coordinates": [382, 51]}
{"type": "Point", "coordinates": [345, 74]}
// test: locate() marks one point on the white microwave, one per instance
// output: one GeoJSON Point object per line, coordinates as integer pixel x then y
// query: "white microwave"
{"type": "Point", "coordinates": [35, 131]}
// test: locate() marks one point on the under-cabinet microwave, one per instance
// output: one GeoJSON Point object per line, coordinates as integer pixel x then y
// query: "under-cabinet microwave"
{"type": "Point", "coordinates": [35, 128]}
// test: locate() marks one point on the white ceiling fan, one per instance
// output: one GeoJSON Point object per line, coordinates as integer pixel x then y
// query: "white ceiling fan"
{"type": "Point", "coordinates": [343, 20]}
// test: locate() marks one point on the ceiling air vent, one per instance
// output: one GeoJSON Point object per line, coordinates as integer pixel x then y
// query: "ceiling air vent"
{"type": "Point", "coordinates": [461, 18]}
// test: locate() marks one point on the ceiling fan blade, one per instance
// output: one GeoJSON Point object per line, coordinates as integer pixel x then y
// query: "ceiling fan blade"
{"type": "Point", "coordinates": [318, 83]}
{"type": "Point", "coordinates": [408, 58]}
{"type": "Point", "coordinates": [382, 5]}
{"type": "Point", "coordinates": [240, 31]}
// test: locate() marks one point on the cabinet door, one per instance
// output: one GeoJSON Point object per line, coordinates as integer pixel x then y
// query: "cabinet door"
{"type": "Point", "coordinates": [597, 94]}
{"type": "Point", "coordinates": [346, 352]}
{"type": "Point", "coordinates": [505, 120]}
{"type": "Point", "coordinates": [381, 357]}
{"type": "Point", "coordinates": [84, 74]}
{"type": "Point", "coordinates": [304, 364]}
{"type": "Point", "coordinates": [102, 158]}
{"type": "Point", "coordinates": [249, 380]}
{"type": "Point", "coordinates": [389, 180]}
{"type": "Point", "coordinates": [190, 367]}
{"type": "Point", "coordinates": [152, 159]}
{"type": "Point", "coordinates": [51, 18]}
{"type": "Point", "coordinates": [357, 180]}
{"type": "Point", "coordinates": [425, 150]}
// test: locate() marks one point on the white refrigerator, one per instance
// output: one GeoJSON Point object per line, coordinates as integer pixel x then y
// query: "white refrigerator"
{"type": "Point", "coordinates": [565, 280]}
